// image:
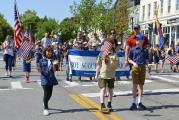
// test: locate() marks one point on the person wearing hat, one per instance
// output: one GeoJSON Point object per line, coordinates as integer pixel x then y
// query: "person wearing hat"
{"type": "Point", "coordinates": [131, 42]}
{"type": "Point", "coordinates": [138, 57]}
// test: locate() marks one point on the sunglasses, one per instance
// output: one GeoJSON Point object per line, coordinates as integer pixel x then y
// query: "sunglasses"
{"type": "Point", "coordinates": [113, 33]}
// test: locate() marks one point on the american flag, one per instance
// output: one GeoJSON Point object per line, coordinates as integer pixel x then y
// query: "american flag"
{"type": "Point", "coordinates": [173, 59]}
{"type": "Point", "coordinates": [18, 36]}
{"type": "Point", "coordinates": [25, 48]}
{"type": "Point", "coordinates": [106, 48]}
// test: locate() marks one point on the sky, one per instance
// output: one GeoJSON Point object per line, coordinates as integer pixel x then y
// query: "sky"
{"type": "Point", "coordinates": [58, 9]}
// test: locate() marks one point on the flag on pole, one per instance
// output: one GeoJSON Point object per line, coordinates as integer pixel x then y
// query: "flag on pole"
{"type": "Point", "coordinates": [158, 30]}
{"type": "Point", "coordinates": [18, 36]}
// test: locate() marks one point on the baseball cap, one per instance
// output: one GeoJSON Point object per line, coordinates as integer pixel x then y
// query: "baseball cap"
{"type": "Point", "coordinates": [136, 26]}
{"type": "Point", "coordinates": [139, 37]}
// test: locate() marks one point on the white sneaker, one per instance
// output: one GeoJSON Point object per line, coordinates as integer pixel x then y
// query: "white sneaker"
{"type": "Point", "coordinates": [46, 113]}
{"type": "Point", "coordinates": [6, 74]}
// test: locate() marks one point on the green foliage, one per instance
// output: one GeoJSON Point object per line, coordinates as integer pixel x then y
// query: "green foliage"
{"type": "Point", "coordinates": [93, 16]}
{"type": "Point", "coordinates": [84, 12]}
{"type": "Point", "coordinates": [30, 21]}
{"type": "Point", "coordinates": [46, 25]}
{"type": "Point", "coordinates": [121, 17]}
{"type": "Point", "coordinates": [69, 27]}
{"type": "Point", "coordinates": [5, 28]}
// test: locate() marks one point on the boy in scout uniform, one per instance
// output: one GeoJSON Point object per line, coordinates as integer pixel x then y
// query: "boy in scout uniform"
{"type": "Point", "coordinates": [105, 71]}
{"type": "Point", "coordinates": [138, 57]}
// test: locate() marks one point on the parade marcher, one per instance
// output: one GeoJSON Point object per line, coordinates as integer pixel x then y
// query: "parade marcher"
{"type": "Point", "coordinates": [38, 53]}
{"type": "Point", "coordinates": [47, 67]}
{"type": "Point", "coordinates": [150, 54]}
{"type": "Point", "coordinates": [27, 59]}
{"type": "Point", "coordinates": [8, 55]}
{"type": "Point", "coordinates": [27, 65]}
{"type": "Point", "coordinates": [162, 59]}
{"type": "Point", "coordinates": [156, 57]}
{"type": "Point", "coordinates": [46, 41]}
{"type": "Point", "coordinates": [107, 63]}
{"type": "Point", "coordinates": [14, 59]}
{"type": "Point", "coordinates": [138, 57]}
{"type": "Point", "coordinates": [131, 42]}
{"type": "Point", "coordinates": [66, 53]}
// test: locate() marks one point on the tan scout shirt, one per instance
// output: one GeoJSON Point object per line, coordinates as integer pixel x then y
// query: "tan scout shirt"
{"type": "Point", "coordinates": [107, 70]}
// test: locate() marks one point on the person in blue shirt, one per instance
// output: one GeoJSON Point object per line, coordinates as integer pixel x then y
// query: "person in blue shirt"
{"type": "Point", "coordinates": [47, 67]}
{"type": "Point", "coordinates": [38, 53]}
{"type": "Point", "coordinates": [138, 57]}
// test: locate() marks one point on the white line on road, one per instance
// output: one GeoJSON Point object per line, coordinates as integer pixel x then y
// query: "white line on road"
{"type": "Point", "coordinates": [17, 85]}
{"type": "Point", "coordinates": [164, 79]}
{"type": "Point", "coordinates": [70, 84]}
{"type": "Point", "coordinates": [130, 92]}
{"type": "Point", "coordinates": [91, 84]}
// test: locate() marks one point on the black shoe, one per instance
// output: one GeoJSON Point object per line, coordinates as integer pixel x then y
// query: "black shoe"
{"type": "Point", "coordinates": [109, 106]}
{"type": "Point", "coordinates": [133, 106]}
{"type": "Point", "coordinates": [142, 107]}
{"type": "Point", "coordinates": [102, 106]}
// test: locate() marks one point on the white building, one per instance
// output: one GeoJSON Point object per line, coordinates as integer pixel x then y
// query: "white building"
{"type": "Point", "coordinates": [168, 17]}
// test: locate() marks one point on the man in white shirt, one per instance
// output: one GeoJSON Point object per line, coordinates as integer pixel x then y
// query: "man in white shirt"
{"type": "Point", "coordinates": [46, 41]}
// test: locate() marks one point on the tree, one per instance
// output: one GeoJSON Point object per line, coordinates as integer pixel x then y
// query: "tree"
{"type": "Point", "coordinates": [84, 12]}
{"type": "Point", "coordinates": [46, 25]}
{"type": "Point", "coordinates": [69, 26]}
{"type": "Point", "coordinates": [121, 17]}
{"type": "Point", "coordinates": [106, 21]}
{"type": "Point", "coordinates": [30, 21]}
{"type": "Point", "coordinates": [5, 28]}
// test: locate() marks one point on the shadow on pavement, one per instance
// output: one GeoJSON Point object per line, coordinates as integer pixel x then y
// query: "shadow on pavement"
{"type": "Point", "coordinates": [58, 111]}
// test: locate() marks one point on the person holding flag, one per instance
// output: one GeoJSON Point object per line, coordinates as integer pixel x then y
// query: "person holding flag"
{"type": "Point", "coordinates": [27, 55]}
{"type": "Point", "coordinates": [107, 63]}
{"type": "Point", "coordinates": [158, 31]}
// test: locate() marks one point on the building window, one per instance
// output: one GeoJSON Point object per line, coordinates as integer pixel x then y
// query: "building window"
{"type": "Point", "coordinates": [177, 4]}
{"type": "Point", "coordinates": [161, 7]}
{"type": "Point", "coordinates": [143, 13]}
{"type": "Point", "coordinates": [169, 6]}
{"type": "Point", "coordinates": [149, 6]}
{"type": "Point", "coordinates": [155, 7]}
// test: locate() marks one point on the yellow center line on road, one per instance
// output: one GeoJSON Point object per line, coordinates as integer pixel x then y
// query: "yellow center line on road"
{"type": "Point", "coordinates": [98, 114]}
{"type": "Point", "coordinates": [92, 103]}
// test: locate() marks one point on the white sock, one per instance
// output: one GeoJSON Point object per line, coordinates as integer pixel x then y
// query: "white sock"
{"type": "Point", "coordinates": [134, 100]}
{"type": "Point", "coordinates": [139, 99]}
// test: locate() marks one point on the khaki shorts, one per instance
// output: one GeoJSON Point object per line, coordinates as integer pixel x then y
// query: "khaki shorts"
{"type": "Point", "coordinates": [138, 74]}
{"type": "Point", "coordinates": [106, 83]}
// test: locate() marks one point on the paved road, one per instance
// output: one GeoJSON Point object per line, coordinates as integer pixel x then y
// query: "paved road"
{"type": "Point", "coordinates": [80, 100]}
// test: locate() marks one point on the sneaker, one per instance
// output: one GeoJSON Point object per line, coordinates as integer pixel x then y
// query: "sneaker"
{"type": "Point", "coordinates": [6, 74]}
{"type": "Point", "coordinates": [46, 113]}
{"type": "Point", "coordinates": [133, 106]}
{"type": "Point", "coordinates": [141, 106]}
{"type": "Point", "coordinates": [109, 106]}
{"type": "Point", "coordinates": [102, 106]}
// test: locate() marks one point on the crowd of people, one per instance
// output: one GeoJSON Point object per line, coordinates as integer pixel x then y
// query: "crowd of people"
{"type": "Point", "coordinates": [51, 52]}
